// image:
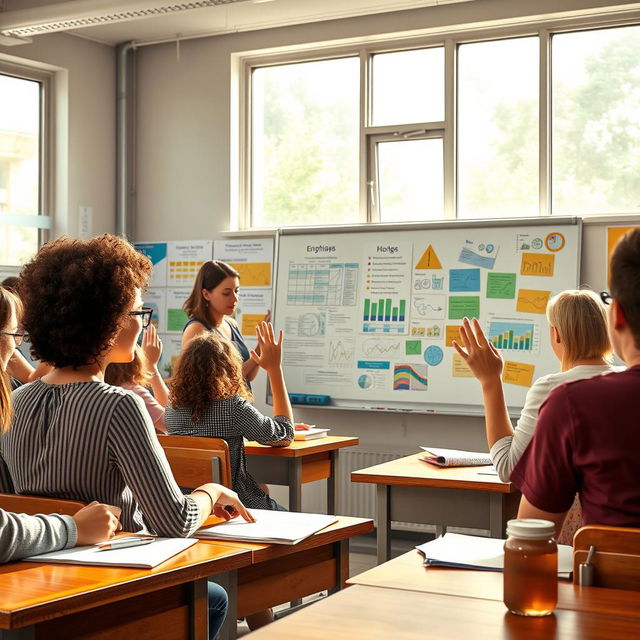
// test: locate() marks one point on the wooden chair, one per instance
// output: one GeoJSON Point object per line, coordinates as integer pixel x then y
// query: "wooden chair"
{"type": "Point", "coordinates": [37, 504]}
{"type": "Point", "coordinates": [616, 560]}
{"type": "Point", "coordinates": [195, 461]}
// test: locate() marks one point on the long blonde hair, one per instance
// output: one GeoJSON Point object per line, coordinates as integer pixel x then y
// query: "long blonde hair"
{"type": "Point", "coordinates": [580, 318]}
{"type": "Point", "coordinates": [9, 302]}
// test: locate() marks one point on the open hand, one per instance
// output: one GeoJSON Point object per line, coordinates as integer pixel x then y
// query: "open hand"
{"type": "Point", "coordinates": [480, 355]}
{"type": "Point", "coordinates": [268, 353]}
{"type": "Point", "coordinates": [228, 505]}
{"type": "Point", "coordinates": [151, 346]}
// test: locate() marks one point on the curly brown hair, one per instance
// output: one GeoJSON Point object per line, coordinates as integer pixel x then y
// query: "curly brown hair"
{"type": "Point", "coordinates": [209, 369]}
{"type": "Point", "coordinates": [134, 372]}
{"type": "Point", "coordinates": [76, 295]}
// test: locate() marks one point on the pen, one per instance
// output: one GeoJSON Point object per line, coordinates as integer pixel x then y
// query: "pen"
{"type": "Point", "coordinates": [123, 543]}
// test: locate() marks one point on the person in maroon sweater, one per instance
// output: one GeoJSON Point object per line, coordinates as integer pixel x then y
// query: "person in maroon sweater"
{"type": "Point", "coordinates": [587, 437]}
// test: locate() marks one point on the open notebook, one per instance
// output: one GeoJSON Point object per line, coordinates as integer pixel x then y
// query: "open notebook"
{"type": "Point", "coordinates": [142, 557]}
{"type": "Point", "coordinates": [278, 527]}
{"type": "Point", "coordinates": [454, 457]}
{"type": "Point", "coordinates": [475, 552]}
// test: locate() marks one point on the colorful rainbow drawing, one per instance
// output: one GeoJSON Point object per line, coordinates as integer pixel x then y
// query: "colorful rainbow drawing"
{"type": "Point", "coordinates": [410, 377]}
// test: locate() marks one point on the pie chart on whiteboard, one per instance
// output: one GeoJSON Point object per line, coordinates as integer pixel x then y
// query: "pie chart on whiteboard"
{"type": "Point", "coordinates": [365, 381]}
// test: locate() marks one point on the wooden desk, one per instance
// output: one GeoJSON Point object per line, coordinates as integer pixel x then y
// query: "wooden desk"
{"type": "Point", "coordinates": [72, 601]}
{"type": "Point", "coordinates": [374, 613]}
{"type": "Point", "coordinates": [283, 573]}
{"type": "Point", "coordinates": [302, 461]}
{"type": "Point", "coordinates": [407, 572]}
{"type": "Point", "coordinates": [410, 490]}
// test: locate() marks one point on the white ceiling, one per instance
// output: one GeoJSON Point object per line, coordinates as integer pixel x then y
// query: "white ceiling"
{"type": "Point", "coordinates": [237, 15]}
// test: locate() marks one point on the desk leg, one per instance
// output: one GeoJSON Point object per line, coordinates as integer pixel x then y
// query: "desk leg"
{"type": "Point", "coordinates": [200, 612]}
{"type": "Point", "coordinates": [295, 484]}
{"type": "Point", "coordinates": [333, 483]}
{"type": "Point", "coordinates": [383, 522]}
{"type": "Point", "coordinates": [341, 551]}
{"type": "Point", "coordinates": [229, 581]}
{"type": "Point", "coordinates": [496, 515]}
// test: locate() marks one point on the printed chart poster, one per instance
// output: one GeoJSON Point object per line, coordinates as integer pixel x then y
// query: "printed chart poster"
{"type": "Point", "coordinates": [253, 260]}
{"type": "Point", "coordinates": [171, 344]}
{"type": "Point", "coordinates": [176, 317]}
{"type": "Point", "coordinates": [157, 253]}
{"type": "Point", "coordinates": [156, 299]}
{"type": "Point", "coordinates": [185, 259]}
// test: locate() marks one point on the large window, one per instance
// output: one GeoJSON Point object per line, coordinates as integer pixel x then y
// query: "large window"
{"type": "Point", "coordinates": [21, 161]}
{"type": "Point", "coordinates": [503, 125]}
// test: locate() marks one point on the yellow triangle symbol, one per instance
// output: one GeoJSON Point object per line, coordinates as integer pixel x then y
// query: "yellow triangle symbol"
{"type": "Point", "coordinates": [429, 260]}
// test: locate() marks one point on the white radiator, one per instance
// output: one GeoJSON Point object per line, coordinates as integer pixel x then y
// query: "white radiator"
{"type": "Point", "coordinates": [358, 499]}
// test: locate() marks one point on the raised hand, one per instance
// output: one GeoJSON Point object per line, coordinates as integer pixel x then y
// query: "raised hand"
{"type": "Point", "coordinates": [480, 355]}
{"type": "Point", "coordinates": [151, 346]}
{"type": "Point", "coordinates": [268, 353]}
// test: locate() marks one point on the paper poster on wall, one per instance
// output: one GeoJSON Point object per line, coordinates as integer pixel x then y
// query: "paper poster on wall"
{"type": "Point", "coordinates": [253, 260]}
{"type": "Point", "coordinates": [613, 236]}
{"type": "Point", "coordinates": [185, 259]}
{"type": "Point", "coordinates": [156, 299]}
{"type": "Point", "coordinates": [157, 253]}
{"type": "Point", "coordinates": [176, 317]}
{"type": "Point", "coordinates": [171, 345]}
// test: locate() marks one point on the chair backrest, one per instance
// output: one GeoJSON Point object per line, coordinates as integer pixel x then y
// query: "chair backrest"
{"type": "Point", "coordinates": [37, 504]}
{"type": "Point", "coordinates": [616, 560]}
{"type": "Point", "coordinates": [195, 461]}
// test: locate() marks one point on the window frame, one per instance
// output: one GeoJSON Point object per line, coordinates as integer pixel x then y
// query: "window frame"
{"type": "Point", "coordinates": [43, 220]}
{"type": "Point", "coordinates": [450, 38]}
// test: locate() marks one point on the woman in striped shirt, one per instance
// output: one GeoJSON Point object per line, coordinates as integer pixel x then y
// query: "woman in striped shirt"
{"type": "Point", "coordinates": [73, 436]}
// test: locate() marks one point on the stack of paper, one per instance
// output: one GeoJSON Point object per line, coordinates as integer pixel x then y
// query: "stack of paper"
{"type": "Point", "coordinates": [454, 457]}
{"type": "Point", "coordinates": [474, 552]}
{"type": "Point", "coordinates": [311, 434]}
{"type": "Point", "coordinates": [140, 557]}
{"type": "Point", "coordinates": [278, 527]}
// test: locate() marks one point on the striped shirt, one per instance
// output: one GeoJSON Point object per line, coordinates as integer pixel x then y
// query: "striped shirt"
{"type": "Point", "coordinates": [233, 419]}
{"type": "Point", "coordinates": [92, 441]}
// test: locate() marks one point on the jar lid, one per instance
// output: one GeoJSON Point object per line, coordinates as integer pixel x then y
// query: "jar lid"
{"type": "Point", "coordinates": [531, 528]}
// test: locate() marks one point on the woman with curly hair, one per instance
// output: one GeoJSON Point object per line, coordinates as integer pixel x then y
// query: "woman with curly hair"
{"type": "Point", "coordinates": [72, 435]}
{"type": "Point", "coordinates": [209, 398]}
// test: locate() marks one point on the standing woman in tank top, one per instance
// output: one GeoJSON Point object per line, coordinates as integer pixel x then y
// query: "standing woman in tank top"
{"type": "Point", "coordinates": [212, 301]}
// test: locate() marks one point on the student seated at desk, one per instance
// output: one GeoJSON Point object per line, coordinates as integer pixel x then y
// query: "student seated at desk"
{"type": "Point", "coordinates": [587, 438]}
{"type": "Point", "coordinates": [578, 333]}
{"type": "Point", "coordinates": [210, 398]}
{"type": "Point", "coordinates": [23, 535]}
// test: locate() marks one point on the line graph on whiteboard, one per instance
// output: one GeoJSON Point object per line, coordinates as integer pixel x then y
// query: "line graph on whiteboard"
{"type": "Point", "coordinates": [375, 347]}
{"type": "Point", "coordinates": [340, 352]}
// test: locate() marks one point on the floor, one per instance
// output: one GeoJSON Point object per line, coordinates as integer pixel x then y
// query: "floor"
{"type": "Point", "coordinates": [362, 556]}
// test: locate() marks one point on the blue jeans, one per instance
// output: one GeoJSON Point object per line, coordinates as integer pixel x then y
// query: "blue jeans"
{"type": "Point", "coordinates": [218, 602]}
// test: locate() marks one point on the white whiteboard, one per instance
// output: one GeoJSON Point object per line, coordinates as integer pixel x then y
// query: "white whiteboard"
{"type": "Point", "coordinates": [368, 314]}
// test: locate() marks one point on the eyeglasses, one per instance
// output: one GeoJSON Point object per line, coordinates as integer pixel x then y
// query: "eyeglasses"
{"type": "Point", "coordinates": [18, 338]}
{"type": "Point", "coordinates": [605, 296]}
{"type": "Point", "coordinates": [146, 313]}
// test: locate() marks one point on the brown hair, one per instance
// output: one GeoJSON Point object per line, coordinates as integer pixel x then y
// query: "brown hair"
{"type": "Point", "coordinates": [580, 317]}
{"type": "Point", "coordinates": [209, 369]}
{"type": "Point", "coordinates": [134, 372]}
{"type": "Point", "coordinates": [77, 294]}
{"type": "Point", "coordinates": [624, 280]}
{"type": "Point", "coordinates": [9, 302]}
{"type": "Point", "coordinates": [211, 274]}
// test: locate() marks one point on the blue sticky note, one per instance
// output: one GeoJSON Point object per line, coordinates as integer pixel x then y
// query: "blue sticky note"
{"type": "Point", "coordinates": [464, 279]}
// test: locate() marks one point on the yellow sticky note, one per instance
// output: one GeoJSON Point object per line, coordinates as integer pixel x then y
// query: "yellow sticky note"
{"type": "Point", "coordinates": [253, 274]}
{"type": "Point", "coordinates": [537, 264]}
{"type": "Point", "coordinates": [519, 373]}
{"type": "Point", "coordinates": [460, 368]}
{"type": "Point", "coordinates": [452, 333]}
{"type": "Point", "coordinates": [249, 322]}
{"type": "Point", "coordinates": [532, 301]}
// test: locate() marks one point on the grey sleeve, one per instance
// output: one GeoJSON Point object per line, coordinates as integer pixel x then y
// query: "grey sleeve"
{"type": "Point", "coordinates": [506, 452]}
{"type": "Point", "coordinates": [22, 535]}
{"type": "Point", "coordinates": [276, 432]}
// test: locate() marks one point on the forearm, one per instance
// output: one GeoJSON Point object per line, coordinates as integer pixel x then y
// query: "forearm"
{"type": "Point", "coordinates": [19, 368]}
{"type": "Point", "coordinates": [527, 510]}
{"type": "Point", "coordinates": [497, 422]}
{"type": "Point", "coordinates": [205, 498]}
{"type": "Point", "coordinates": [160, 390]}
{"type": "Point", "coordinates": [250, 370]}
{"type": "Point", "coordinates": [281, 404]}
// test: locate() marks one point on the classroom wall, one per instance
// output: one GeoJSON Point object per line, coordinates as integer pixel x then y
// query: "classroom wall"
{"type": "Point", "coordinates": [85, 146]}
{"type": "Point", "coordinates": [184, 173]}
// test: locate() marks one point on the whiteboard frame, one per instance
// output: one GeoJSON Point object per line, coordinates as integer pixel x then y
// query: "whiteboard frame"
{"type": "Point", "coordinates": [443, 409]}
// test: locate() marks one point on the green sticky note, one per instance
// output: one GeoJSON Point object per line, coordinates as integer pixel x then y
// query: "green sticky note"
{"type": "Point", "coordinates": [413, 347]}
{"type": "Point", "coordinates": [501, 285]}
{"type": "Point", "coordinates": [176, 319]}
{"type": "Point", "coordinates": [461, 306]}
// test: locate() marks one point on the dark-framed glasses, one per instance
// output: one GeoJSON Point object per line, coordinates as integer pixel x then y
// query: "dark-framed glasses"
{"type": "Point", "coordinates": [146, 313]}
{"type": "Point", "coordinates": [605, 296]}
{"type": "Point", "coordinates": [18, 337]}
